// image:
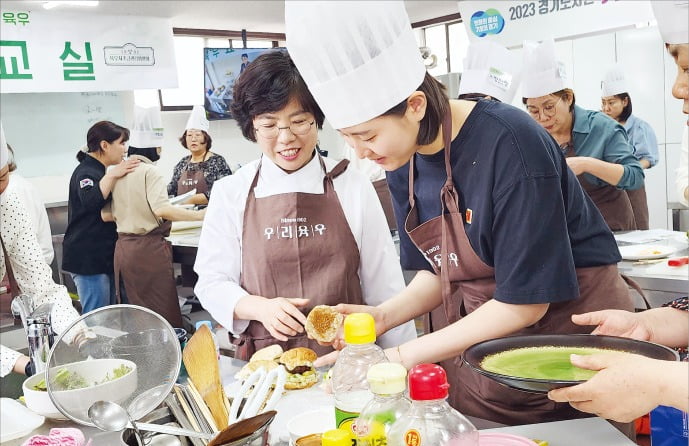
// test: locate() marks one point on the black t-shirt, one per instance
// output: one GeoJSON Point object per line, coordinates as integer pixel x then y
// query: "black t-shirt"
{"type": "Point", "coordinates": [89, 244]}
{"type": "Point", "coordinates": [530, 218]}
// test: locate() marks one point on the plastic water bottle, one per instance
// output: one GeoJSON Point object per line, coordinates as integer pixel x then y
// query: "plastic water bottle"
{"type": "Point", "coordinates": [350, 387]}
{"type": "Point", "coordinates": [387, 381]}
{"type": "Point", "coordinates": [431, 420]}
{"type": "Point", "coordinates": [215, 338]}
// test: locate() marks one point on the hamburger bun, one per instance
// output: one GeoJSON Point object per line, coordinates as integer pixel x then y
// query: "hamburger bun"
{"type": "Point", "coordinates": [252, 366]}
{"type": "Point", "coordinates": [299, 365]}
{"type": "Point", "coordinates": [270, 353]}
{"type": "Point", "coordinates": [322, 323]}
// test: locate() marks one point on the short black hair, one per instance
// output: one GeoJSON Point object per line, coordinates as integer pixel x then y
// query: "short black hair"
{"type": "Point", "coordinates": [267, 85]}
{"type": "Point", "coordinates": [438, 104]}
{"type": "Point", "coordinates": [103, 131]}
{"type": "Point", "coordinates": [245, 55]}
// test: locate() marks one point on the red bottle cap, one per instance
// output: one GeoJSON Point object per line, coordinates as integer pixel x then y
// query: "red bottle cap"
{"type": "Point", "coordinates": [428, 382]}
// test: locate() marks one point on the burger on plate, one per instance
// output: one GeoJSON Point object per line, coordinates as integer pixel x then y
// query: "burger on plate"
{"type": "Point", "coordinates": [299, 365]}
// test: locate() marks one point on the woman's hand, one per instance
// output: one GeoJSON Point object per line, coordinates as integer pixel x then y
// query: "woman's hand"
{"type": "Point", "coordinates": [339, 343]}
{"type": "Point", "coordinates": [578, 164]}
{"type": "Point", "coordinates": [616, 323]}
{"type": "Point", "coordinates": [625, 387]}
{"type": "Point", "coordinates": [125, 167]}
{"type": "Point", "coordinates": [280, 316]}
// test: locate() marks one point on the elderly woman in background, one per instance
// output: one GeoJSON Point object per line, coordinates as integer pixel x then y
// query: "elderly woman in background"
{"type": "Point", "coordinates": [597, 149]}
{"type": "Point", "coordinates": [200, 169]}
{"type": "Point", "coordinates": [616, 103]}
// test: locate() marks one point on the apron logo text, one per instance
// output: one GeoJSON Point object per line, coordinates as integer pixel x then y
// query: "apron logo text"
{"type": "Point", "coordinates": [292, 231]}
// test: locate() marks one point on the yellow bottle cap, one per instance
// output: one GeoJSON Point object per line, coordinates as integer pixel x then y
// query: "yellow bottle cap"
{"type": "Point", "coordinates": [387, 378]}
{"type": "Point", "coordinates": [336, 437]}
{"type": "Point", "coordinates": [359, 328]}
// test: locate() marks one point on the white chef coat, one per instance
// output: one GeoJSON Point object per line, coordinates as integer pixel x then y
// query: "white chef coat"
{"type": "Point", "coordinates": [219, 257]}
{"type": "Point", "coordinates": [37, 213]}
{"type": "Point", "coordinates": [33, 275]}
{"type": "Point", "coordinates": [682, 172]}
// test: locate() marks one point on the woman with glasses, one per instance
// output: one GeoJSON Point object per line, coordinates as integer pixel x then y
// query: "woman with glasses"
{"type": "Point", "coordinates": [504, 239]}
{"type": "Point", "coordinates": [292, 229]}
{"type": "Point", "coordinates": [201, 168]}
{"type": "Point", "coordinates": [597, 149]}
{"type": "Point", "coordinates": [616, 103]}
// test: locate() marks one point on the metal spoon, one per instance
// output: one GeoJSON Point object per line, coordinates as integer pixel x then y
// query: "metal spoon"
{"type": "Point", "coordinates": [110, 416]}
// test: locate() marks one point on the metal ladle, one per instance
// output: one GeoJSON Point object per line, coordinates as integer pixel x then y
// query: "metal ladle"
{"type": "Point", "coordinates": [110, 416]}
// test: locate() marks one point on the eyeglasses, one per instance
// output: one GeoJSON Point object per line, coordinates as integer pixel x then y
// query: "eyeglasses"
{"type": "Point", "coordinates": [547, 110]}
{"type": "Point", "coordinates": [271, 131]}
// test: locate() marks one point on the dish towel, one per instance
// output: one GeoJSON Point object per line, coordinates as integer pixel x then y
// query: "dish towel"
{"type": "Point", "coordinates": [59, 437]}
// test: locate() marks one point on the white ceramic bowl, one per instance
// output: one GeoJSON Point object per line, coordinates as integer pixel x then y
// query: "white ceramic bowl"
{"type": "Point", "coordinates": [311, 422]}
{"type": "Point", "coordinates": [78, 401]}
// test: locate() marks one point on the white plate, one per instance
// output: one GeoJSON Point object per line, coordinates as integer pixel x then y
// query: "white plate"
{"type": "Point", "coordinates": [644, 252]}
{"type": "Point", "coordinates": [16, 420]}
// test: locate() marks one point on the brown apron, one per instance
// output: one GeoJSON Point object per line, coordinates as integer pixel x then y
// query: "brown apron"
{"type": "Point", "coordinates": [297, 245]}
{"type": "Point", "coordinates": [468, 283]}
{"type": "Point", "coordinates": [383, 192]}
{"type": "Point", "coordinates": [144, 261]}
{"type": "Point", "coordinates": [193, 177]}
{"type": "Point", "coordinates": [639, 202]}
{"type": "Point", "coordinates": [613, 203]}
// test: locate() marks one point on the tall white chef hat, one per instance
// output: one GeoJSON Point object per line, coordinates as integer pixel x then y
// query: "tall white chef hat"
{"type": "Point", "coordinates": [4, 151]}
{"type": "Point", "coordinates": [614, 82]}
{"type": "Point", "coordinates": [542, 72]}
{"type": "Point", "coordinates": [359, 59]}
{"type": "Point", "coordinates": [672, 20]}
{"type": "Point", "coordinates": [147, 129]}
{"type": "Point", "coordinates": [197, 119]}
{"type": "Point", "coordinates": [490, 69]}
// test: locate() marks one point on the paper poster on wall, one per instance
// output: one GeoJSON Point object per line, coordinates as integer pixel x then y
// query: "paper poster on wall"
{"type": "Point", "coordinates": [511, 22]}
{"type": "Point", "coordinates": [62, 52]}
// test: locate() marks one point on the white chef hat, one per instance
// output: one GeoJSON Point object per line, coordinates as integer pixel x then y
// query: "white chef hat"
{"type": "Point", "coordinates": [4, 151]}
{"type": "Point", "coordinates": [672, 20]}
{"type": "Point", "coordinates": [490, 69]}
{"type": "Point", "coordinates": [197, 119]}
{"type": "Point", "coordinates": [614, 82]}
{"type": "Point", "coordinates": [363, 60]}
{"type": "Point", "coordinates": [542, 73]}
{"type": "Point", "coordinates": [147, 129]}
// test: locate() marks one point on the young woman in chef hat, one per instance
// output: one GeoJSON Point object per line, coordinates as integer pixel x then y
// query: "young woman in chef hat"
{"type": "Point", "coordinates": [506, 240]}
{"type": "Point", "coordinates": [597, 149]}
{"type": "Point", "coordinates": [616, 103]}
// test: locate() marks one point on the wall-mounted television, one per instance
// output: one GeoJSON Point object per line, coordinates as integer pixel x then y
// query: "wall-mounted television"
{"type": "Point", "coordinates": [222, 67]}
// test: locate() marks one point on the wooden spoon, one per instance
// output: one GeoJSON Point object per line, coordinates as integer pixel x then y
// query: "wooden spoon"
{"type": "Point", "coordinates": [243, 428]}
{"type": "Point", "coordinates": [200, 359]}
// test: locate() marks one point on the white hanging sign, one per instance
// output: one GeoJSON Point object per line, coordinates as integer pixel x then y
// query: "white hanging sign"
{"type": "Point", "coordinates": [62, 52]}
{"type": "Point", "coordinates": [511, 22]}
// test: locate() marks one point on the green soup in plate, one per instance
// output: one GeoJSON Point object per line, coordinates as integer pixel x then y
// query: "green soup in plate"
{"type": "Point", "coordinates": [549, 363]}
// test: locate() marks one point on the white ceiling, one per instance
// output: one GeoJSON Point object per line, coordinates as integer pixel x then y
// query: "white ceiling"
{"type": "Point", "coordinates": [257, 15]}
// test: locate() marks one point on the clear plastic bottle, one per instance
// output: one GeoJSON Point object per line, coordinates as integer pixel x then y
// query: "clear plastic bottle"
{"type": "Point", "coordinates": [350, 387]}
{"type": "Point", "coordinates": [387, 381]}
{"type": "Point", "coordinates": [431, 420]}
{"type": "Point", "coordinates": [209, 324]}
{"type": "Point", "coordinates": [336, 437]}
